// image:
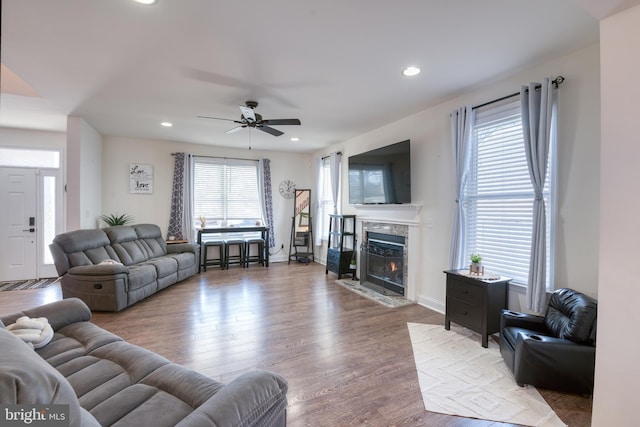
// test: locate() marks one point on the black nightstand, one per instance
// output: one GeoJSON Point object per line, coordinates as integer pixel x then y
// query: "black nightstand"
{"type": "Point", "coordinates": [475, 302]}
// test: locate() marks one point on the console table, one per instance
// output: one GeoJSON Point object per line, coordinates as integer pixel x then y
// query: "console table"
{"type": "Point", "coordinates": [226, 230]}
{"type": "Point", "coordinates": [475, 302]}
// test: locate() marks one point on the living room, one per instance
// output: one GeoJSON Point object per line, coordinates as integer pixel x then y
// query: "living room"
{"type": "Point", "coordinates": [591, 136]}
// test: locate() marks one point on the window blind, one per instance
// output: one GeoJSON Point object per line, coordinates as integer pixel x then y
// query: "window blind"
{"type": "Point", "coordinates": [498, 198]}
{"type": "Point", "coordinates": [226, 192]}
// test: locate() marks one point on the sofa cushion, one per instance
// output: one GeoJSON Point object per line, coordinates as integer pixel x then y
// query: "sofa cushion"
{"type": "Point", "coordinates": [25, 378]}
{"type": "Point", "coordinates": [151, 237]}
{"type": "Point", "coordinates": [141, 275]}
{"type": "Point", "coordinates": [122, 383]}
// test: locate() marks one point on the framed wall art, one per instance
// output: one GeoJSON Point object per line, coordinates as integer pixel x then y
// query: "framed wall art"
{"type": "Point", "coordinates": [140, 178]}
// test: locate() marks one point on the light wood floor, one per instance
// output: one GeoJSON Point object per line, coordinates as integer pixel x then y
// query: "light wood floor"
{"type": "Point", "coordinates": [348, 360]}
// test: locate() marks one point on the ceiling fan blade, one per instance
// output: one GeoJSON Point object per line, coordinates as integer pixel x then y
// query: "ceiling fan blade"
{"type": "Point", "coordinates": [217, 118]}
{"type": "Point", "coordinates": [248, 113]}
{"type": "Point", "coordinates": [279, 122]}
{"type": "Point", "coordinates": [235, 129]}
{"type": "Point", "coordinates": [269, 130]}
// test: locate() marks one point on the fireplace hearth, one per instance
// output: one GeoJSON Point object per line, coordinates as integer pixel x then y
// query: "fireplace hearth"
{"type": "Point", "coordinates": [383, 260]}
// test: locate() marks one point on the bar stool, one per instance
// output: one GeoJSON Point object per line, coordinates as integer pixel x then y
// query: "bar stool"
{"type": "Point", "coordinates": [233, 259]}
{"type": "Point", "coordinates": [219, 260]}
{"type": "Point", "coordinates": [258, 243]}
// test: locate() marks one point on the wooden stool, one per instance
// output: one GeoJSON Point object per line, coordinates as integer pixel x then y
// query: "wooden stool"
{"type": "Point", "coordinates": [258, 243]}
{"type": "Point", "coordinates": [220, 260]}
{"type": "Point", "coordinates": [233, 259]}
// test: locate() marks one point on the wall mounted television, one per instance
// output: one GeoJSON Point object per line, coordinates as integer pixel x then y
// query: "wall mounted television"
{"type": "Point", "coordinates": [381, 176]}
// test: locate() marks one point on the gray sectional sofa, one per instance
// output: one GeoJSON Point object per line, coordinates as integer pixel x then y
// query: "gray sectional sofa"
{"type": "Point", "coordinates": [114, 267]}
{"type": "Point", "coordinates": [106, 381]}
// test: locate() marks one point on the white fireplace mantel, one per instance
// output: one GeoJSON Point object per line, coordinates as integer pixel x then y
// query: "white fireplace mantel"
{"type": "Point", "coordinates": [399, 214]}
{"type": "Point", "coordinates": [395, 218]}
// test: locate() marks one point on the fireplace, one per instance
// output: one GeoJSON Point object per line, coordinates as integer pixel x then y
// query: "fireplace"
{"type": "Point", "coordinates": [383, 259]}
{"type": "Point", "coordinates": [398, 225]}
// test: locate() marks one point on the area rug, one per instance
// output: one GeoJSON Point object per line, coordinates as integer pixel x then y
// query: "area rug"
{"type": "Point", "coordinates": [19, 285]}
{"type": "Point", "coordinates": [386, 300]}
{"type": "Point", "coordinates": [458, 376]}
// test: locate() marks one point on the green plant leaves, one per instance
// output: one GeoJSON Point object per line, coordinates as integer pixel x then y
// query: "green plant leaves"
{"type": "Point", "coordinates": [115, 219]}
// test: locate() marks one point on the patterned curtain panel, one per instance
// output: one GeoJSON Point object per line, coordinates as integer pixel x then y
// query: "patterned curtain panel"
{"type": "Point", "coordinates": [177, 198]}
{"type": "Point", "coordinates": [268, 199]}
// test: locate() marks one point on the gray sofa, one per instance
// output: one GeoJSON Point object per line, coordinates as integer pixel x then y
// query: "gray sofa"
{"type": "Point", "coordinates": [114, 267]}
{"type": "Point", "coordinates": [106, 381]}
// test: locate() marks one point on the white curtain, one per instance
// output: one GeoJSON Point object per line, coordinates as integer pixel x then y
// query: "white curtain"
{"type": "Point", "coordinates": [319, 220]}
{"type": "Point", "coordinates": [324, 194]}
{"type": "Point", "coordinates": [335, 162]}
{"type": "Point", "coordinates": [187, 219]}
{"type": "Point", "coordinates": [462, 121]}
{"type": "Point", "coordinates": [537, 102]}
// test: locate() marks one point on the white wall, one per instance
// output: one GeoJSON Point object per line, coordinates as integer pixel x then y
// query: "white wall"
{"type": "Point", "coordinates": [119, 152]}
{"type": "Point", "coordinates": [84, 174]}
{"type": "Point", "coordinates": [21, 138]}
{"type": "Point", "coordinates": [617, 373]}
{"type": "Point", "coordinates": [433, 181]}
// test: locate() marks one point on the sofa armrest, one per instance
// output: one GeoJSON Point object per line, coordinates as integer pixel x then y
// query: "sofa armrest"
{"type": "Point", "coordinates": [98, 270]}
{"type": "Point", "coordinates": [177, 248]}
{"type": "Point", "coordinates": [59, 313]}
{"type": "Point", "coordinates": [520, 320]}
{"type": "Point", "coordinates": [254, 398]}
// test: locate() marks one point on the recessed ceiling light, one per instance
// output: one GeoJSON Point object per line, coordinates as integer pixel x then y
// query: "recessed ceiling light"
{"type": "Point", "coordinates": [411, 71]}
{"type": "Point", "coordinates": [147, 2]}
{"type": "Point", "coordinates": [166, 124]}
{"type": "Point", "coordinates": [295, 139]}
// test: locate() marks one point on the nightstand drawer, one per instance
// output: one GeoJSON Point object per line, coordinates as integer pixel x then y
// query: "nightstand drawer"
{"type": "Point", "coordinates": [465, 314]}
{"type": "Point", "coordinates": [463, 291]}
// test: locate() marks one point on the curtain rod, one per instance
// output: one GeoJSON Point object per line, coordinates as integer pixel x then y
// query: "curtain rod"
{"type": "Point", "coordinates": [218, 157]}
{"type": "Point", "coordinates": [326, 157]}
{"type": "Point", "coordinates": [557, 81]}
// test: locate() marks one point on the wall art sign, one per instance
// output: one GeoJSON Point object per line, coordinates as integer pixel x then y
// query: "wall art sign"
{"type": "Point", "coordinates": [140, 178]}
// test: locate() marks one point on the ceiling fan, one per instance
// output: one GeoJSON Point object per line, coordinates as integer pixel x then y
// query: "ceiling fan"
{"type": "Point", "coordinates": [249, 118]}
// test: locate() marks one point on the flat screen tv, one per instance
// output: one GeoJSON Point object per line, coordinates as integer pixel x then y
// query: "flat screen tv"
{"type": "Point", "coordinates": [381, 176]}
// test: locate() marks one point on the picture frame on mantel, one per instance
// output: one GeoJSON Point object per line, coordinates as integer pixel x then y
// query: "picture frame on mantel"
{"type": "Point", "coordinates": [140, 178]}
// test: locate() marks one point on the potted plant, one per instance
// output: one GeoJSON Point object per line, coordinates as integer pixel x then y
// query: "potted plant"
{"type": "Point", "coordinates": [476, 263]}
{"type": "Point", "coordinates": [114, 219]}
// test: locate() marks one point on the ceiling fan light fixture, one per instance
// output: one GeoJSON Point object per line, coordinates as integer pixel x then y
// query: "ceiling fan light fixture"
{"type": "Point", "coordinates": [411, 71]}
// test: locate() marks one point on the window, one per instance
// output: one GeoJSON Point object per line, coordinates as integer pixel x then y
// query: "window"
{"type": "Point", "coordinates": [498, 197]}
{"type": "Point", "coordinates": [29, 158]}
{"type": "Point", "coordinates": [226, 193]}
{"type": "Point", "coordinates": [325, 197]}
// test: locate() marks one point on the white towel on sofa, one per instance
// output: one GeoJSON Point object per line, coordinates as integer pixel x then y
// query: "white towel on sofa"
{"type": "Point", "coordinates": [35, 332]}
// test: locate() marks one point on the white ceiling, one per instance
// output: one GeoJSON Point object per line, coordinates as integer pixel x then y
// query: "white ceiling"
{"type": "Point", "coordinates": [334, 64]}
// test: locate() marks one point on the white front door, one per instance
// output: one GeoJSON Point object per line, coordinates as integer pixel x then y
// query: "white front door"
{"type": "Point", "coordinates": [29, 218]}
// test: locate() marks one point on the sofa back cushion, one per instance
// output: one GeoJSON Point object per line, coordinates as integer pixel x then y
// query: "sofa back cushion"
{"type": "Point", "coordinates": [80, 247]}
{"type": "Point", "coordinates": [572, 315]}
{"type": "Point", "coordinates": [136, 244]}
{"type": "Point", "coordinates": [126, 244]}
{"type": "Point", "coordinates": [151, 236]}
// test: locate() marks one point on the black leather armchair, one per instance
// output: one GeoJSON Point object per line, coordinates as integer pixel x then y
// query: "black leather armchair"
{"type": "Point", "coordinates": [556, 351]}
